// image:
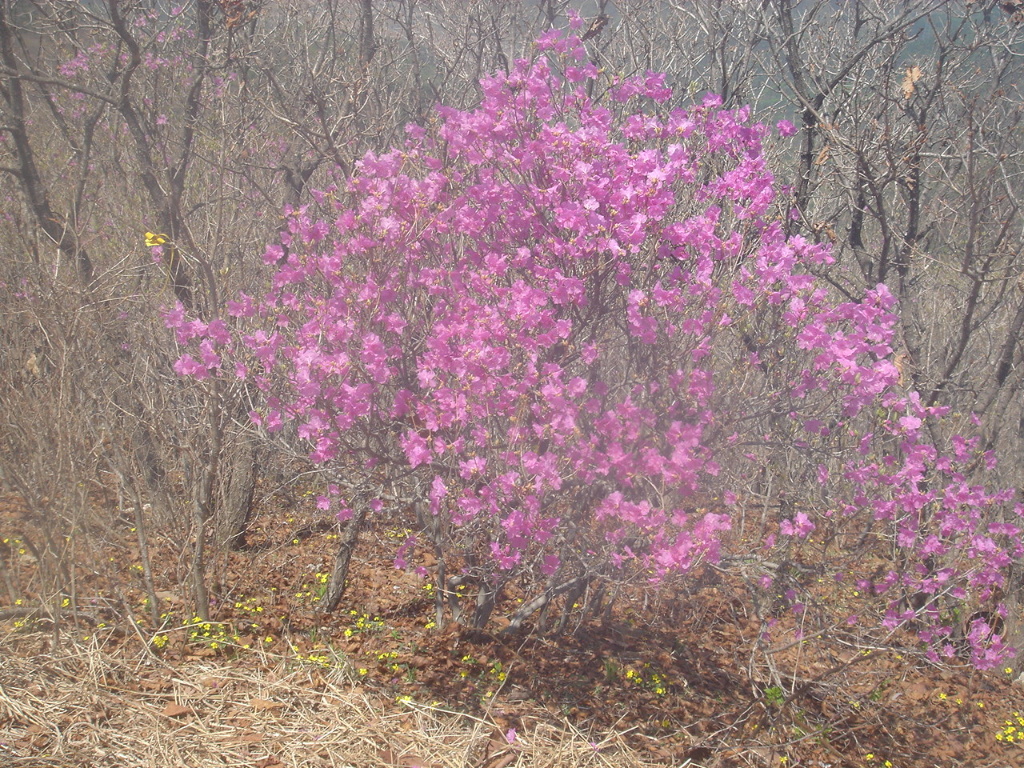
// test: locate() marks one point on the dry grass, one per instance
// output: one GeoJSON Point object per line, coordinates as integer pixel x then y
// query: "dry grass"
{"type": "Point", "coordinates": [87, 706]}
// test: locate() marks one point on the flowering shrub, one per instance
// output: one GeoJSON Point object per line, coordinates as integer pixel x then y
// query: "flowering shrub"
{"type": "Point", "coordinates": [568, 319]}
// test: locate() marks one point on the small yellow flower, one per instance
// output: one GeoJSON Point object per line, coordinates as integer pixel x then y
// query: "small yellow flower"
{"type": "Point", "coordinates": [154, 239]}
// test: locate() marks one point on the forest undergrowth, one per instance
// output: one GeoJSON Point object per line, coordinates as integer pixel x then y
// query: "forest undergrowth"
{"type": "Point", "coordinates": [675, 675]}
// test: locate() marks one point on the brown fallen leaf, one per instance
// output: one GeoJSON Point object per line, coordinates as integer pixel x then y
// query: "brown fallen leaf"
{"type": "Point", "coordinates": [175, 710]}
{"type": "Point", "coordinates": [249, 737]}
{"type": "Point", "coordinates": [918, 692]}
{"type": "Point", "coordinates": [265, 704]}
{"type": "Point", "coordinates": [503, 762]}
{"type": "Point", "coordinates": [697, 754]}
{"type": "Point", "coordinates": [154, 684]}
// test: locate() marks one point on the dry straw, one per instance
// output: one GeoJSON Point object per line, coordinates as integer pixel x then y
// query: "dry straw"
{"type": "Point", "coordinates": [89, 705]}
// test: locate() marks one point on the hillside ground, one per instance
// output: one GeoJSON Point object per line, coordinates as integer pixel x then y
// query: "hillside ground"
{"type": "Point", "coordinates": [668, 677]}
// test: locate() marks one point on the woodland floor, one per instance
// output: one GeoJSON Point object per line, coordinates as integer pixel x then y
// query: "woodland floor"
{"type": "Point", "coordinates": [666, 679]}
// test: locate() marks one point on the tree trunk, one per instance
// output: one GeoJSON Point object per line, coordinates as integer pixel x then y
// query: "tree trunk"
{"type": "Point", "coordinates": [238, 489]}
{"type": "Point", "coordinates": [56, 227]}
{"type": "Point", "coordinates": [339, 574]}
{"type": "Point", "coordinates": [1013, 634]}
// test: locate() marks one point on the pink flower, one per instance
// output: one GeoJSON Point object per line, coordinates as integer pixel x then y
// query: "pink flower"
{"type": "Point", "coordinates": [801, 525]}
{"type": "Point", "coordinates": [416, 449]}
{"type": "Point", "coordinates": [785, 128]}
{"type": "Point", "coordinates": [550, 565]}
{"type": "Point", "coordinates": [187, 365]}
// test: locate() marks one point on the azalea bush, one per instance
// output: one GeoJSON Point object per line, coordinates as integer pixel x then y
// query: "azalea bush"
{"type": "Point", "coordinates": [568, 328]}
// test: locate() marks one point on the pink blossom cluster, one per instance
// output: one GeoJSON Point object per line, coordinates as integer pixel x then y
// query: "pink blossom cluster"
{"type": "Point", "coordinates": [563, 315]}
